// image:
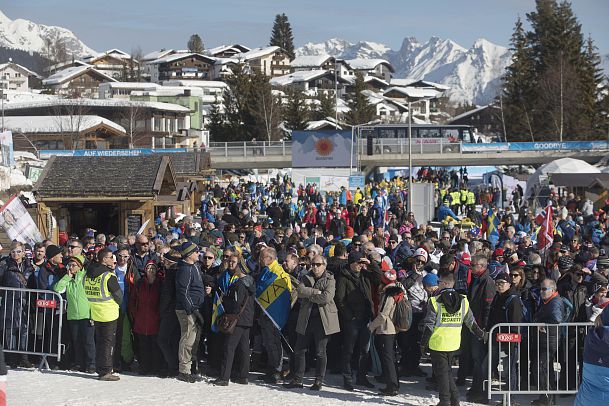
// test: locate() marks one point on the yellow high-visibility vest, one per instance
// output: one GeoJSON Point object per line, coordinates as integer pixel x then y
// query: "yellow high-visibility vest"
{"type": "Point", "coordinates": [446, 335]}
{"type": "Point", "coordinates": [103, 306]}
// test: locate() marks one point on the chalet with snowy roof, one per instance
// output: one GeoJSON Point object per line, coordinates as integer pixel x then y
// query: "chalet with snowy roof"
{"type": "Point", "coordinates": [146, 122]}
{"type": "Point", "coordinates": [423, 97]}
{"type": "Point", "coordinates": [189, 66]}
{"type": "Point", "coordinates": [78, 81]}
{"type": "Point", "coordinates": [114, 63]}
{"type": "Point", "coordinates": [270, 61]}
{"type": "Point", "coordinates": [314, 62]}
{"type": "Point", "coordinates": [35, 133]}
{"type": "Point", "coordinates": [16, 77]}
{"type": "Point", "coordinates": [226, 51]}
{"type": "Point", "coordinates": [311, 82]}
{"type": "Point", "coordinates": [368, 67]}
{"type": "Point", "coordinates": [485, 119]}
{"type": "Point", "coordinates": [387, 110]}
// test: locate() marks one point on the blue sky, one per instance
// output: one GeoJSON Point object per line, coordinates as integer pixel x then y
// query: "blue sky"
{"type": "Point", "coordinates": [154, 24]}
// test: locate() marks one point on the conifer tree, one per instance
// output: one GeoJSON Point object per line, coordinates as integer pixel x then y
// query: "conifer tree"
{"type": "Point", "coordinates": [325, 107]}
{"type": "Point", "coordinates": [282, 36]}
{"type": "Point", "coordinates": [295, 110]}
{"type": "Point", "coordinates": [361, 111]}
{"type": "Point", "coordinates": [195, 44]}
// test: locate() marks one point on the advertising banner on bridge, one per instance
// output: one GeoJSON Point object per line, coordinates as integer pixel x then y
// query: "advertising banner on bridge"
{"type": "Point", "coordinates": [45, 154]}
{"type": "Point", "coordinates": [536, 146]}
{"type": "Point", "coordinates": [17, 222]}
{"type": "Point", "coordinates": [322, 149]}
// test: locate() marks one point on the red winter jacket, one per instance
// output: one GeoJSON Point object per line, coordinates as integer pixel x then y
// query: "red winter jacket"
{"type": "Point", "coordinates": [144, 307]}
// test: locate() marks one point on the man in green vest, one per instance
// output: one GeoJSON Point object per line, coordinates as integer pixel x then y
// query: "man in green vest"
{"type": "Point", "coordinates": [447, 311]}
{"type": "Point", "coordinates": [105, 297]}
{"type": "Point", "coordinates": [455, 200]}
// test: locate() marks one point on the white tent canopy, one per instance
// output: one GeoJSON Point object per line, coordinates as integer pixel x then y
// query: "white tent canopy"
{"type": "Point", "coordinates": [563, 165]}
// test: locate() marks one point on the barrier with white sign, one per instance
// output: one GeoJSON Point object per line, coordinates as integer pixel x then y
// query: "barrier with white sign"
{"type": "Point", "coordinates": [535, 359]}
{"type": "Point", "coordinates": [31, 323]}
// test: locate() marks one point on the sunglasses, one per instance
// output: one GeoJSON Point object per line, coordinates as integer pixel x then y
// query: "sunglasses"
{"type": "Point", "coordinates": [515, 275]}
{"type": "Point", "coordinates": [123, 256]}
{"type": "Point", "coordinates": [393, 242]}
{"type": "Point", "coordinates": [317, 264]}
{"type": "Point", "coordinates": [71, 247]}
{"type": "Point", "coordinates": [358, 244]}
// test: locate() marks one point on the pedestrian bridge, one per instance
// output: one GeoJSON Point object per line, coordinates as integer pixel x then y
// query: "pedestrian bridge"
{"type": "Point", "coordinates": [395, 152]}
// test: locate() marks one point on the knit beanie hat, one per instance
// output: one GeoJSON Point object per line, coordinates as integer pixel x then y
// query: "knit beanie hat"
{"type": "Point", "coordinates": [187, 248]}
{"type": "Point", "coordinates": [565, 263]}
{"type": "Point", "coordinates": [53, 250]}
{"type": "Point", "coordinates": [78, 260]}
{"type": "Point", "coordinates": [431, 279]}
{"type": "Point", "coordinates": [389, 276]}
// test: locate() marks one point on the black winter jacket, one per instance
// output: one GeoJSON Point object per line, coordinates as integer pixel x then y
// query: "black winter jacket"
{"type": "Point", "coordinates": [189, 288]}
{"type": "Point", "coordinates": [354, 294]}
{"type": "Point", "coordinates": [236, 297]}
{"type": "Point", "coordinates": [480, 295]}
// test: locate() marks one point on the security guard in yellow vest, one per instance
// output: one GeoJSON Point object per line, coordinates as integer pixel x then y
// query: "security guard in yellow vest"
{"type": "Point", "coordinates": [455, 200]}
{"type": "Point", "coordinates": [105, 297]}
{"type": "Point", "coordinates": [471, 201]}
{"type": "Point", "coordinates": [447, 311]}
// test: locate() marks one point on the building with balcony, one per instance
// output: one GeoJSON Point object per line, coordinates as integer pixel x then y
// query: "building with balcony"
{"type": "Point", "coordinates": [77, 81]}
{"type": "Point", "coordinates": [181, 66]}
{"type": "Point", "coordinates": [270, 61]}
{"type": "Point", "coordinates": [19, 78]}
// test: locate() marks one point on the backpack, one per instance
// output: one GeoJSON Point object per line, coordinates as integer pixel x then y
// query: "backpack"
{"type": "Point", "coordinates": [402, 316]}
{"type": "Point", "coordinates": [526, 316]}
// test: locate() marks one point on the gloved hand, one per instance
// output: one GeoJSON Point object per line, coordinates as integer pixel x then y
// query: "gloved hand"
{"type": "Point", "coordinates": [198, 318]}
{"type": "Point", "coordinates": [485, 337]}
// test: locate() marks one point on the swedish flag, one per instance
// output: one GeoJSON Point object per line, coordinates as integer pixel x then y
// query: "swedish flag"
{"type": "Point", "coordinates": [224, 282]}
{"type": "Point", "coordinates": [492, 233]}
{"type": "Point", "coordinates": [273, 289]}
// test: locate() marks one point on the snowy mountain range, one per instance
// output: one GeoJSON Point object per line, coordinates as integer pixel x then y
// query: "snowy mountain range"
{"type": "Point", "coordinates": [29, 36]}
{"type": "Point", "coordinates": [474, 75]}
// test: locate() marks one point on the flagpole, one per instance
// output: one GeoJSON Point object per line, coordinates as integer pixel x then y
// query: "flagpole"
{"type": "Point", "coordinates": [285, 341]}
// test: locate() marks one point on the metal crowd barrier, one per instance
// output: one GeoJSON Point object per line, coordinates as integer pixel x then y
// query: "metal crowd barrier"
{"type": "Point", "coordinates": [535, 359]}
{"type": "Point", "coordinates": [31, 323]}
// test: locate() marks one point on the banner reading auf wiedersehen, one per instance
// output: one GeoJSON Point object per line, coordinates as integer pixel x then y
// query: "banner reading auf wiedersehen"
{"type": "Point", "coordinates": [17, 222]}
{"type": "Point", "coordinates": [323, 149]}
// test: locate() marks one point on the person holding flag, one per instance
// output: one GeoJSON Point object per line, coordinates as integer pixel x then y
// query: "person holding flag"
{"type": "Point", "coordinates": [492, 227]}
{"type": "Point", "coordinates": [273, 295]}
{"type": "Point", "coordinates": [237, 300]}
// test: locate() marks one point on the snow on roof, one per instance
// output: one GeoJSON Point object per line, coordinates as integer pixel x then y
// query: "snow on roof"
{"type": "Point", "coordinates": [310, 61]}
{"type": "Point", "coordinates": [97, 103]}
{"type": "Point", "coordinates": [16, 65]}
{"type": "Point", "coordinates": [222, 48]}
{"type": "Point", "coordinates": [319, 124]}
{"type": "Point", "coordinates": [468, 113]}
{"type": "Point", "coordinates": [414, 92]}
{"type": "Point", "coordinates": [401, 82]}
{"type": "Point", "coordinates": [367, 64]}
{"type": "Point", "coordinates": [11, 96]}
{"type": "Point", "coordinates": [257, 53]}
{"type": "Point", "coordinates": [369, 78]}
{"type": "Point", "coordinates": [57, 124]}
{"type": "Point", "coordinates": [205, 84]}
{"type": "Point", "coordinates": [157, 54]}
{"type": "Point", "coordinates": [115, 52]}
{"type": "Point", "coordinates": [178, 56]}
{"type": "Point", "coordinates": [297, 77]}
{"type": "Point", "coordinates": [70, 73]}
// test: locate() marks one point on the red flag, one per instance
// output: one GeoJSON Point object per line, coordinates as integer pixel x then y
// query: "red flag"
{"type": "Point", "coordinates": [545, 235]}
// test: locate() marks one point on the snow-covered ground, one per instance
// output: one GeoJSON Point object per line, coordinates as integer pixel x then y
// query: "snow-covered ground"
{"type": "Point", "coordinates": [31, 388]}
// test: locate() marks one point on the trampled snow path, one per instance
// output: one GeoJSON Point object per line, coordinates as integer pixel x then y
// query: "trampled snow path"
{"type": "Point", "coordinates": [31, 388]}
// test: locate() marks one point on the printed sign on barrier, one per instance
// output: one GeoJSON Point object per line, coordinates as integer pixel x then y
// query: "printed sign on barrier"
{"type": "Point", "coordinates": [508, 338]}
{"type": "Point", "coordinates": [46, 304]}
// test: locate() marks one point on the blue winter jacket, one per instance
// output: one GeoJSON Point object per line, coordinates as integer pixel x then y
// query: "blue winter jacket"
{"type": "Point", "coordinates": [444, 211]}
{"type": "Point", "coordinates": [594, 389]}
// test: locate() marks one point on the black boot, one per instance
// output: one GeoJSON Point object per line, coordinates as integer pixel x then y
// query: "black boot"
{"type": "Point", "coordinates": [363, 381]}
{"type": "Point", "coordinates": [24, 362]}
{"type": "Point", "coordinates": [295, 383]}
{"type": "Point", "coordinates": [317, 385]}
{"type": "Point", "coordinates": [348, 384]}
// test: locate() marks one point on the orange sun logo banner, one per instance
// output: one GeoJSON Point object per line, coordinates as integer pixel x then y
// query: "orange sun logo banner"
{"type": "Point", "coordinates": [324, 147]}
